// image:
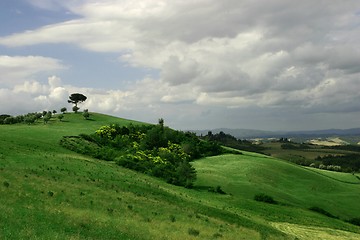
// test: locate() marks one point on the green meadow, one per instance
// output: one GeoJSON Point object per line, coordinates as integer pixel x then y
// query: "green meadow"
{"type": "Point", "coordinates": [49, 192]}
{"type": "Point", "coordinates": [274, 149]}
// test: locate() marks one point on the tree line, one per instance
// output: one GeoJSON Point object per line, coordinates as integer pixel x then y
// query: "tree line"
{"type": "Point", "coordinates": [230, 141]}
{"type": "Point", "coordinates": [31, 118]}
{"type": "Point", "coordinates": [344, 163]}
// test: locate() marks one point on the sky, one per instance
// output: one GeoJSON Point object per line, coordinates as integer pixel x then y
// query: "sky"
{"type": "Point", "coordinates": [200, 64]}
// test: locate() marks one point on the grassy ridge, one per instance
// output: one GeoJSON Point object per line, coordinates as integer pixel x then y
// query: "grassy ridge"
{"type": "Point", "coordinates": [48, 192]}
{"type": "Point", "coordinates": [339, 176]}
{"type": "Point", "coordinates": [289, 184]}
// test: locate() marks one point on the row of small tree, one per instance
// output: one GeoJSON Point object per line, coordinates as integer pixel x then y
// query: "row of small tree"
{"type": "Point", "coordinates": [326, 167]}
{"type": "Point", "coordinates": [231, 141]}
{"type": "Point", "coordinates": [31, 118]}
{"type": "Point", "coordinates": [343, 163]}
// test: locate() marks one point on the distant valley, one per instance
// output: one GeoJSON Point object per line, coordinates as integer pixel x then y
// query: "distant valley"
{"type": "Point", "coordinates": [351, 136]}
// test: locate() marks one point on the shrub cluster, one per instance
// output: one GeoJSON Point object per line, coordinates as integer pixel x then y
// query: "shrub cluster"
{"type": "Point", "coordinates": [261, 197]}
{"type": "Point", "coordinates": [329, 167]}
{"type": "Point", "coordinates": [193, 232]}
{"type": "Point", "coordinates": [338, 163]}
{"type": "Point", "coordinates": [322, 211]}
{"type": "Point", "coordinates": [216, 190]}
{"type": "Point", "coordinates": [152, 149]}
{"type": "Point", "coordinates": [355, 221]}
{"type": "Point", "coordinates": [344, 163]}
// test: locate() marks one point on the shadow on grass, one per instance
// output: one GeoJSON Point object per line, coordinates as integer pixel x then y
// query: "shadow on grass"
{"type": "Point", "coordinates": [201, 188]}
{"type": "Point", "coordinates": [212, 189]}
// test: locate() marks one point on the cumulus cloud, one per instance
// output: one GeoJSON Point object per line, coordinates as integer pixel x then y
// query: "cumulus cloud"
{"type": "Point", "coordinates": [32, 87]}
{"type": "Point", "coordinates": [35, 96]}
{"type": "Point", "coordinates": [231, 54]}
{"type": "Point", "coordinates": [16, 69]}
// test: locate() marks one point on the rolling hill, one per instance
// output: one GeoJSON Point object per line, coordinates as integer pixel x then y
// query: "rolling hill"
{"type": "Point", "coordinates": [252, 133]}
{"type": "Point", "coordinates": [48, 192]}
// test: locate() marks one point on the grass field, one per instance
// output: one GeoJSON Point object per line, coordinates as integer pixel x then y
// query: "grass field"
{"type": "Point", "coordinates": [274, 149]}
{"type": "Point", "coordinates": [339, 176]}
{"type": "Point", "coordinates": [294, 186]}
{"type": "Point", "coordinates": [48, 192]}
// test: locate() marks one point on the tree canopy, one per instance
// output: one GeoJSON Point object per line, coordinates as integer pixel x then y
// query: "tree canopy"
{"type": "Point", "coordinates": [76, 98]}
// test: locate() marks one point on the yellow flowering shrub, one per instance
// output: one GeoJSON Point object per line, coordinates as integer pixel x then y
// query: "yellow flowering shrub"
{"type": "Point", "coordinates": [106, 131]}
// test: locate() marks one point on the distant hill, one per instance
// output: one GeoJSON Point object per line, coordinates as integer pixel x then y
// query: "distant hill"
{"type": "Point", "coordinates": [338, 132]}
{"type": "Point", "coordinates": [252, 133]}
{"type": "Point", "coordinates": [240, 133]}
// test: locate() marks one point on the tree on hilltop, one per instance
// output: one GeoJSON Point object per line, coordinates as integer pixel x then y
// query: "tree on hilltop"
{"type": "Point", "coordinates": [47, 117]}
{"type": "Point", "coordinates": [75, 109]}
{"type": "Point", "coordinates": [86, 114]}
{"type": "Point", "coordinates": [60, 117]}
{"type": "Point", "coordinates": [3, 117]}
{"type": "Point", "coordinates": [76, 98]}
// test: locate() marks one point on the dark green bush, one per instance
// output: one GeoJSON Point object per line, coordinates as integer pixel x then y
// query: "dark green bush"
{"type": "Point", "coordinates": [354, 221]}
{"type": "Point", "coordinates": [322, 211]}
{"type": "Point", "coordinates": [217, 235]}
{"type": "Point", "coordinates": [216, 190]}
{"type": "Point", "coordinates": [6, 184]}
{"type": "Point", "coordinates": [193, 232]}
{"type": "Point", "coordinates": [219, 190]}
{"type": "Point", "coordinates": [3, 117]}
{"type": "Point", "coordinates": [172, 218]}
{"type": "Point", "coordinates": [261, 197]}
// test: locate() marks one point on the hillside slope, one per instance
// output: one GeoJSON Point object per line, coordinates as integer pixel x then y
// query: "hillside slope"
{"type": "Point", "coordinates": [292, 185]}
{"type": "Point", "coordinates": [48, 192]}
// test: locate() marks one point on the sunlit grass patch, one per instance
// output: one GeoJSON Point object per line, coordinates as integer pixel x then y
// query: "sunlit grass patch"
{"type": "Point", "coordinates": [302, 232]}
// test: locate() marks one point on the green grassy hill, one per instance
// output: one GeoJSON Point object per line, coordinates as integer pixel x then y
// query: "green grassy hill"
{"type": "Point", "coordinates": [48, 192]}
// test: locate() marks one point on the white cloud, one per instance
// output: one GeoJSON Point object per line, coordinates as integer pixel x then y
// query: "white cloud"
{"type": "Point", "coordinates": [16, 69]}
{"type": "Point", "coordinates": [54, 81]}
{"type": "Point", "coordinates": [230, 54]}
{"type": "Point", "coordinates": [58, 94]}
{"type": "Point", "coordinates": [32, 87]}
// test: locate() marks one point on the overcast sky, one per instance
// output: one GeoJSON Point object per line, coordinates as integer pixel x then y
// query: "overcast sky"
{"type": "Point", "coordinates": [199, 64]}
